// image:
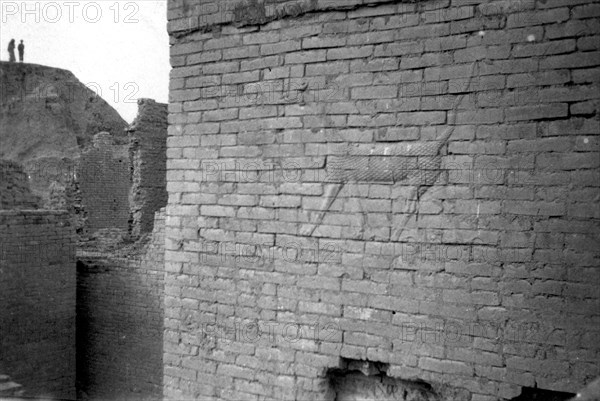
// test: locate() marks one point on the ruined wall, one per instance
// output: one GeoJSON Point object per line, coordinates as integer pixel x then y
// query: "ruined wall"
{"type": "Point", "coordinates": [46, 172]}
{"type": "Point", "coordinates": [119, 319]}
{"type": "Point", "coordinates": [47, 118]}
{"type": "Point", "coordinates": [467, 258]}
{"type": "Point", "coordinates": [37, 294]}
{"type": "Point", "coordinates": [14, 187]}
{"type": "Point", "coordinates": [120, 283]}
{"type": "Point", "coordinates": [148, 156]}
{"type": "Point", "coordinates": [104, 182]}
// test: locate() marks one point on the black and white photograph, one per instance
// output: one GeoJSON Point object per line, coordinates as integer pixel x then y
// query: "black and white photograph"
{"type": "Point", "coordinates": [300, 200]}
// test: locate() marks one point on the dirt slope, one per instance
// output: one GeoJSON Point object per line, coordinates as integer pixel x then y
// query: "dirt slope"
{"type": "Point", "coordinates": [48, 112]}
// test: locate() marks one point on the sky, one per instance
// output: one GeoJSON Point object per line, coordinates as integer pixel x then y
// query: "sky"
{"type": "Point", "coordinates": [118, 48]}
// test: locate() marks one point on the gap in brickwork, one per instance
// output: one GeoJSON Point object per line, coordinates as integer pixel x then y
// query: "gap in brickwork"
{"type": "Point", "coordinates": [538, 394]}
{"type": "Point", "coordinates": [365, 380]}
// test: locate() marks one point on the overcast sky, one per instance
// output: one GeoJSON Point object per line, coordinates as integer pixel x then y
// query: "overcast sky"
{"type": "Point", "coordinates": [120, 47]}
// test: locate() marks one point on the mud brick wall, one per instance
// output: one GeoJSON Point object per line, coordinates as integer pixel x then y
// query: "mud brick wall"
{"type": "Point", "coordinates": [44, 171]}
{"type": "Point", "coordinates": [148, 156]}
{"type": "Point", "coordinates": [37, 294]}
{"type": "Point", "coordinates": [104, 181]}
{"type": "Point", "coordinates": [473, 268]}
{"type": "Point", "coordinates": [15, 192]}
{"type": "Point", "coordinates": [120, 317]}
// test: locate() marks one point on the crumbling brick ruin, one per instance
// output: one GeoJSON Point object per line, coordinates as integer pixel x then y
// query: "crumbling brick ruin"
{"type": "Point", "coordinates": [14, 191]}
{"type": "Point", "coordinates": [148, 156]}
{"type": "Point", "coordinates": [112, 186]}
{"type": "Point", "coordinates": [47, 118]}
{"type": "Point", "coordinates": [120, 272]}
{"type": "Point", "coordinates": [37, 292]}
{"type": "Point", "coordinates": [83, 314]}
{"type": "Point", "coordinates": [458, 257]}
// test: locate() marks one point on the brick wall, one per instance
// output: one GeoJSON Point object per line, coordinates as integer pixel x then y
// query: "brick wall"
{"type": "Point", "coordinates": [469, 262]}
{"type": "Point", "coordinates": [46, 172]}
{"type": "Point", "coordinates": [37, 294]}
{"type": "Point", "coordinates": [119, 319]}
{"type": "Point", "coordinates": [14, 187]}
{"type": "Point", "coordinates": [147, 153]}
{"type": "Point", "coordinates": [104, 181]}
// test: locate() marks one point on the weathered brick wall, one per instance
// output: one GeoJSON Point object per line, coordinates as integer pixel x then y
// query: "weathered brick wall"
{"type": "Point", "coordinates": [44, 172]}
{"type": "Point", "coordinates": [15, 192]}
{"type": "Point", "coordinates": [37, 294]}
{"type": "Point", "coordinates": [473, 263]}
{"type": "Point", "coordinates": [148, 156]}
{"type": "Point", "coordinates": [119, 319]}
{"type": "Point", "coordinates": [104, 181]}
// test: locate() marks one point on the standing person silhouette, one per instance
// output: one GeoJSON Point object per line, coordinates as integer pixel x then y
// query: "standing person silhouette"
{"type": "Point", "coordinates": [11, 51]}
{"type": "Point", "coordinates": [21, 49]}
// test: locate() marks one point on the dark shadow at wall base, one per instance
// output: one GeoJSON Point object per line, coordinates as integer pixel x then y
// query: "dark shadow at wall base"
{"type": "Point", "coordinates": [536, 394]}
{"type": "Point", "coordinates": [82, 338]}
